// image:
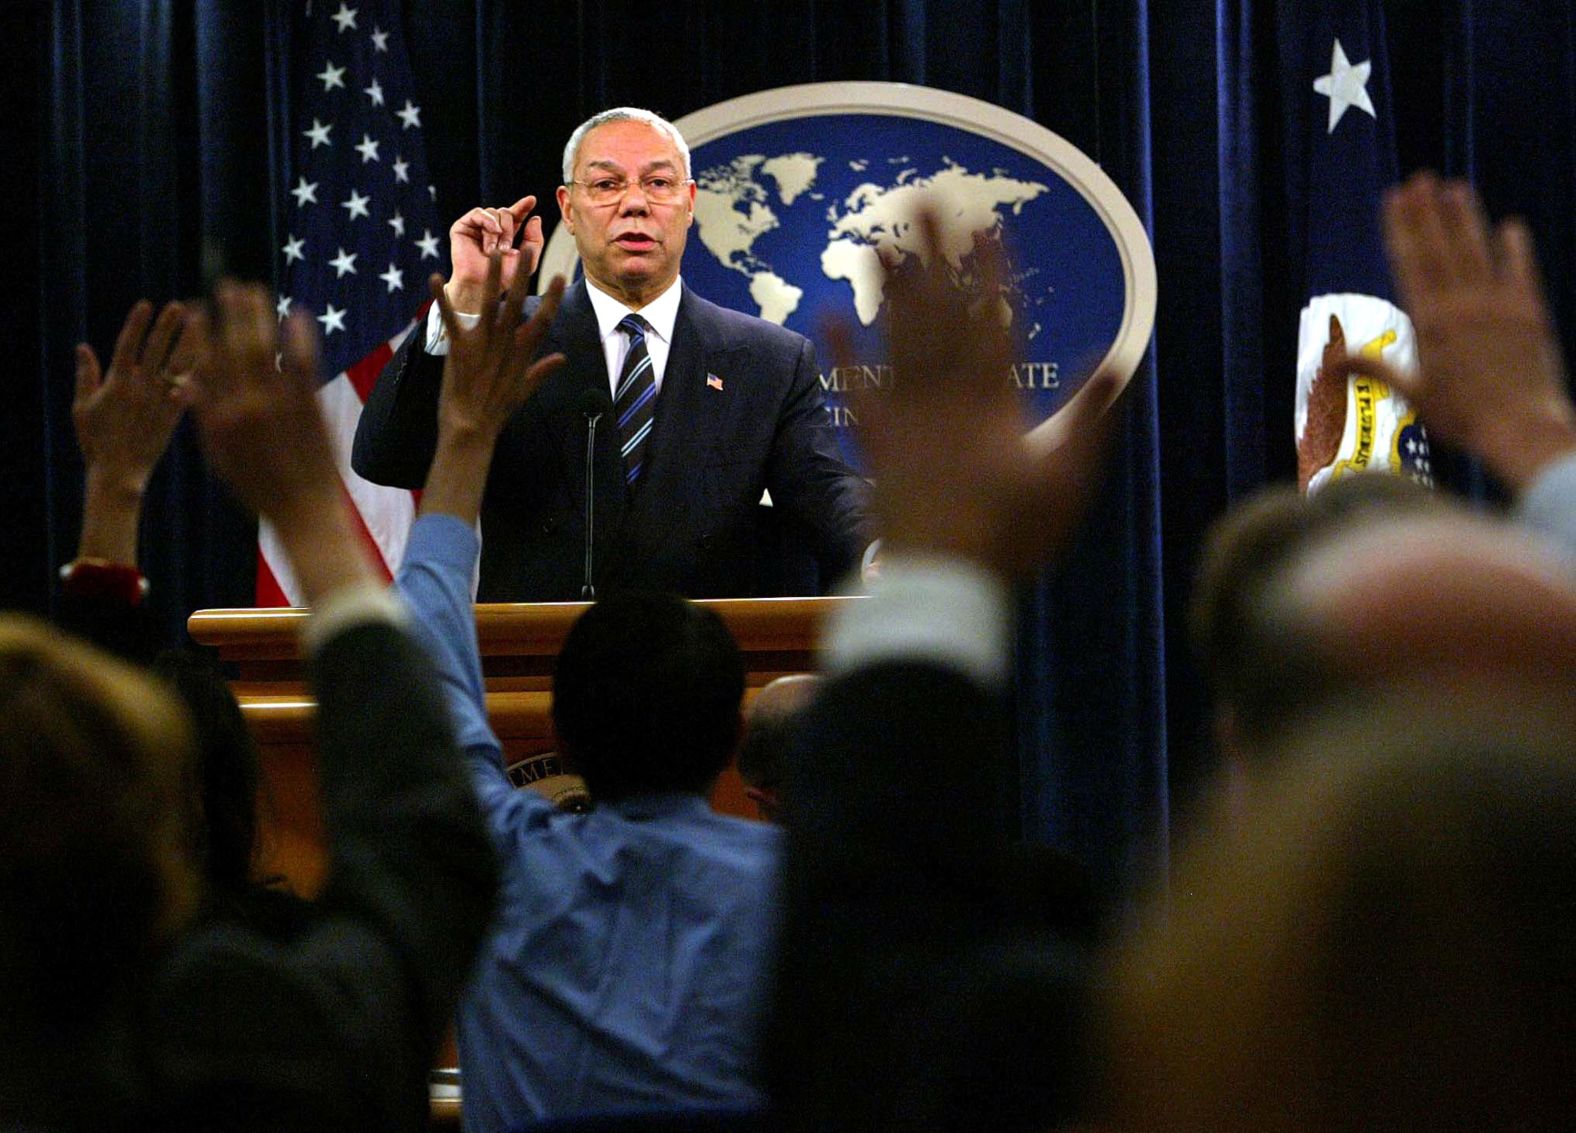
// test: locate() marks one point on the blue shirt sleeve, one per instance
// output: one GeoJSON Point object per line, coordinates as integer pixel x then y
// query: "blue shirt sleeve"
{"type": "Point", "coordinates": [435, 582]}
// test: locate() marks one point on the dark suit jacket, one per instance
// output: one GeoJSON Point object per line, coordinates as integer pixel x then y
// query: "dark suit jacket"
{"type": "Point", "coordinates": [690, 526]}
{"type": "Point", "coordinates": [916, 987]}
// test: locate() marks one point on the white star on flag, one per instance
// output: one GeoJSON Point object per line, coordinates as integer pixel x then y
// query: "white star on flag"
{"type": "Point", "coordinates": [356, 204]}
{"type": "Point", "coordinates": [305, 192]}
{"type": "Point", "coordinates": [380, 39]}
{"type": "Point", "coordinates": [410, 114]}
{"type": "Point", "coordinates": [428, 244]}
{"type": "Point", "coordinates": [401, 170]}
{"type": "Point", "coordinates": [397, 223]}
{"type": "Point", "coordinates": [345, 17]}
{"type": "Point", "coordinates": [292, 249]}
{"type": "Point", "coordinates": [319, 134]}
{"type": "Point", "coordinates": [282, 308]}
{"type": "Point", "coordinates": [343, 264]}
{"type": "Point", "coordinates": [331, 76]}
{"type": "Point", "coordinates": [1345, 86]}
{"type": "Point", "coordinates": [394, 278]}
{"type": "Point", "coordinates": [332, 319]}
{"type": "Point", "coordinates": [375, 93]}
{"type": "Point", "coordinates": [367, 148]}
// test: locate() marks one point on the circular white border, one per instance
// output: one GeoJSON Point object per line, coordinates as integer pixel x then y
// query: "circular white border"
{"type": "Point", "coordinates": [902, 100]}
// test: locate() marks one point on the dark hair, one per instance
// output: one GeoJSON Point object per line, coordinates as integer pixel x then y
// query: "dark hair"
{"type": "Point", "coordinates": [646, 695]}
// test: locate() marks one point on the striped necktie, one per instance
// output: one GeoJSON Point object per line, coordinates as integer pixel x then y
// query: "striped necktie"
{"type": "Point", "coordinates": [635, 401]}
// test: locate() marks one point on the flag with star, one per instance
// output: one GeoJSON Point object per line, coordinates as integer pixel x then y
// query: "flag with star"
{"type": "Point", "coordinates": [1341, 155]}
{"type": "Point", "coordinates": [360, 231]}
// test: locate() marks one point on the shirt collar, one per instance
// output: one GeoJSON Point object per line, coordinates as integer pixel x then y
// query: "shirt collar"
{"type": "Point", "coordinates": [660, 805]}
{"type": "Point", "coordinates": [661, 313]}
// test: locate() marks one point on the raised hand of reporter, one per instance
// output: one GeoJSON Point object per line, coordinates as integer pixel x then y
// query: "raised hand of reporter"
{"type": "Point", "coordinates": [124, 417]}
{"type": "Point", "coordinates": [490, 371]}
{"type": "Point", "coordinates": [954, 471]}
{"type": "Point", "coordinates": [263, 433]}
{"type": "Point", "coordinates": [1491, 378]}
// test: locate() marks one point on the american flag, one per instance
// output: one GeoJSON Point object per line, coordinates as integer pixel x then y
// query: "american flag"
{"type": "Point", "coordinates": [1341, 155]}
{"type": "Point", "coordinates": [361, 234]}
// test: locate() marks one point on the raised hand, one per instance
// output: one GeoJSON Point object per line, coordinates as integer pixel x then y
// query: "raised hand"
{"type": "Point", "coordinates": [480, 233]}
{"type": "Point", "coordinates": [263, 433]}
{"type": "Point", "coordinates": [1490, 376]}
{"type": "Point", "coordinates": [489, 372]}
{"type": "Point", "coordinates": [954, 473]}
{"type": "Point", "coordinates": [124, 418]}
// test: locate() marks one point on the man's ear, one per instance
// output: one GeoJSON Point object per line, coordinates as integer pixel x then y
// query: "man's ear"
{"type": "Point", "coordinates": [564, 209]}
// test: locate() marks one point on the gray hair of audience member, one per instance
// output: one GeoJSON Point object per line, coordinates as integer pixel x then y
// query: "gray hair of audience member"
{"type": "Point", "coordinates": [96, 875]}
{"type": "Point", "coordinates": [769, 728]}
{"type": "Point", "coordinates": [1384, 941]}
{"type": "Point", "coordinates": [622, 114]}
{"type": "Point", "coordinates": [1248, 640]}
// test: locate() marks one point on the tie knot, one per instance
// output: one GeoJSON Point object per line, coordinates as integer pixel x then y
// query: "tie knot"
{"type": "Point", "coordinates": [634, 326]}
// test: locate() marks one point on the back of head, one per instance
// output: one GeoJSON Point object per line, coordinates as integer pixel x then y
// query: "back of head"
{"type": "Point", "coordinates": [1249, 640]}
{"type": "Point", "coordinates": [94, 869]}
{"type": "Point", "coordinates": [1383, 943]}
{"type": "Point", "coordinates": [646, 696]}
{"type": "Point", "coordinates": [770, 729]}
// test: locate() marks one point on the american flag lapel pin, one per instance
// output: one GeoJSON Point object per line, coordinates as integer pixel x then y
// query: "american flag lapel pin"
{"type": "Point", "coordinates": [713, 382]}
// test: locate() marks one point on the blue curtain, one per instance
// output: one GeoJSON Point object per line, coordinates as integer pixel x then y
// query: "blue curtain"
{"type": "Point", "coordinates": [153, 170]}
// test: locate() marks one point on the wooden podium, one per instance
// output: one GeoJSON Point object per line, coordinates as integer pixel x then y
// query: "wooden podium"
{"type": "Point", "coordinates": [518, 644]}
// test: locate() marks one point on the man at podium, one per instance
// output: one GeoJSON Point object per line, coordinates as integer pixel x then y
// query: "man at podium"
{"type": "Point", "coordinates": [641, 461]}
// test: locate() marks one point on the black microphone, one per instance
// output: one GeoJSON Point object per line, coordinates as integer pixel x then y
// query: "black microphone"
{"type": "Point", "coordinates": [593, 403]}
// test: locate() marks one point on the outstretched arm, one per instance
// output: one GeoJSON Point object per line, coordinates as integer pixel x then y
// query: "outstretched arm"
{"type": "Point", "coordinates": [397, 434]}
{"type": "Point", "coordinates": [488, 374]}
{"type": "Point", "coordinates": [894, 841]}
{"type": "Point", "coordinates": [347, 1016]}
{"type": "Point", "coordinates": [123, 419]}
{"type": "Point", "coordinates": [1490, 375]}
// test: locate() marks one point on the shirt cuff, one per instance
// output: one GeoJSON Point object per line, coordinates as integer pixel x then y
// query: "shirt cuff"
{"type": "Point", "coordinates": [349, 607]}
{"type": "Point", "coordinates": [1549, 503]}
{"type": "Point", "coordinates": [437, 341]}
{"type": "Point", "coordinates": [942, 611]}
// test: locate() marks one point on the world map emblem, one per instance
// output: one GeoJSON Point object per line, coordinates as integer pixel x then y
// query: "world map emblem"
{"type": "Point", "coordinates": [800, 192]}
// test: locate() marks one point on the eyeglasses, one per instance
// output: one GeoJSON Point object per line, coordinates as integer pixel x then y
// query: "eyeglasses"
{"type": "Point", "coordinates": [659, 189]}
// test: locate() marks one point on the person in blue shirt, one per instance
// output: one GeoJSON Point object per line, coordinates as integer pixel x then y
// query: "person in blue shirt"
{"type": "Point", "coordinates": [627, 963]}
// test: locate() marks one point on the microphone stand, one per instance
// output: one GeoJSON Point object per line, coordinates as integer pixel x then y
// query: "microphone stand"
{"type": "Point", "coordinates": [593, 406]}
